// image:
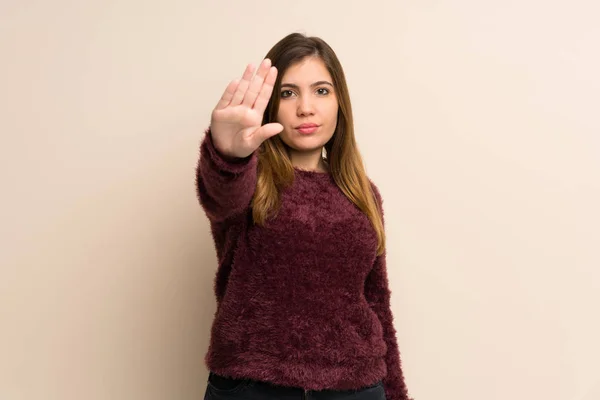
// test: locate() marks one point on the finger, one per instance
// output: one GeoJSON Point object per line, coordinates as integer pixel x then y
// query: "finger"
{"type": "Point", "coordinates": [265, 132]}
{"type": "Point", "coordinates": [243, 86]}
{"type": "Point", "coordinates": [227, 94]}
{"type": "Point", "coordinates": [265, 91]}
{"type": "Point", "coordinates": [257, 82]}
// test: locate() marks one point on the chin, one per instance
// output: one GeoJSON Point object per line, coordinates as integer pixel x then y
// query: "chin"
{"type": "Point", "coordinates": [306, 144]}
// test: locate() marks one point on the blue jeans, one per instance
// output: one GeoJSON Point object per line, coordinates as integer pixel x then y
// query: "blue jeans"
{"type": "Point", "coordinates": [225, 388]}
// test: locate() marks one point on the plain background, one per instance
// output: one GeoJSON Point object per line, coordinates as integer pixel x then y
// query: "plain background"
{"type": "Point", "coordinates": [477, 119]}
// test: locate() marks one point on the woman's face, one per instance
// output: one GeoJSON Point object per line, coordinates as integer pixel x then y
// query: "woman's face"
{"type": "Point", "coordinates": [307, 97]}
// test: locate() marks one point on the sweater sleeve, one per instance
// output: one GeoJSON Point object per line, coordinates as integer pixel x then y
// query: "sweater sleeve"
{"type": "Point", "coordinates": [224, 185]}
{"type": "Point", "coordinates": [378, 294]}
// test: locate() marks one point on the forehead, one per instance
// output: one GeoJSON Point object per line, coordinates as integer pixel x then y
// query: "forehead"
{"type": "Point", "coordinates": [306, 71]}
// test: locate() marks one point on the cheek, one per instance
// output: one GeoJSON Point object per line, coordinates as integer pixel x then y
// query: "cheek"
{"type": "Point", "coordinates": [284, 112]}
{"type": "Point", "coordinates": [332, 113]}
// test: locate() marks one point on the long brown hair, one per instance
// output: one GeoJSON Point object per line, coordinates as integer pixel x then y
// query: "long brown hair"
{"type": "Point", "coordinates": [275, 169]}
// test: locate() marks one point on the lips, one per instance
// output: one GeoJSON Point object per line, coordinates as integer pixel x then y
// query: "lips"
{"type": "Point", "coordinates": [307, 129]}
{"type": "Point", "coordinates": [303, 126]}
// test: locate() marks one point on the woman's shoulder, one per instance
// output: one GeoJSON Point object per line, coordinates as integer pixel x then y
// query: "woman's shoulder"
{"type": "Point", "coordinates": [375, 190]}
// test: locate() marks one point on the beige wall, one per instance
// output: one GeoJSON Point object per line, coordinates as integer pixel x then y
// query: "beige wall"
{"type": "Point", "coordinates": [477, 119]}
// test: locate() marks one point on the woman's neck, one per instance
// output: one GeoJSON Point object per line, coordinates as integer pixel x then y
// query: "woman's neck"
{"type": "Point", "coordinates": [309, 161]}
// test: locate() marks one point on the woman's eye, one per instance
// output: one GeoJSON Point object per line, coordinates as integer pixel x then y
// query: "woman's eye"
{"type": "Point", "coordinates": [286, 93]}
{"type": "Point", "coordinates": [323, 91]}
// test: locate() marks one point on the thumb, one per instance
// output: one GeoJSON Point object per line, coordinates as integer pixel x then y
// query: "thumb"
{"type": "Point", "coordinates": [266, 131]}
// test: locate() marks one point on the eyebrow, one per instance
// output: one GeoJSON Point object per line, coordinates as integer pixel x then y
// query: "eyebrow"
{"type": "Point", "coordinates": [318, 83]}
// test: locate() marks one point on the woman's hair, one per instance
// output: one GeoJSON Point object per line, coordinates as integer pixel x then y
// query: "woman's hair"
{"type": "Point", "coordinates": [275, 169]}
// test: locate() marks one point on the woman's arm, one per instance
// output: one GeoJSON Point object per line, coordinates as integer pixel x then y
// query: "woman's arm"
{"type": "Point", "coordinates": [226, 172]}
{"type": "Point", "coordinates": [225, 185]}
{"type": "Point", "coordinates": [378, 294]}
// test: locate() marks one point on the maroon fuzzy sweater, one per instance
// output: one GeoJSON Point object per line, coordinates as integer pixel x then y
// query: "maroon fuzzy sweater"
{"type": "Point", "coordinates": [303, 301]}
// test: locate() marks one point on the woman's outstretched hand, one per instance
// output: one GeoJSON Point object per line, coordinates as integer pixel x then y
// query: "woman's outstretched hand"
{"type": "Point", "coordinates": [236, 120]}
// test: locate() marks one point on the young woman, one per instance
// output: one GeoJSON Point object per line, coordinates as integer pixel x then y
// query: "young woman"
{"type": "Point", "coordinates": [303, 303]}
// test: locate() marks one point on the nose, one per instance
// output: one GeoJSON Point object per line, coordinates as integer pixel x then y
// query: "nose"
{"type": "Point", "coordinates": [305, 106]}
